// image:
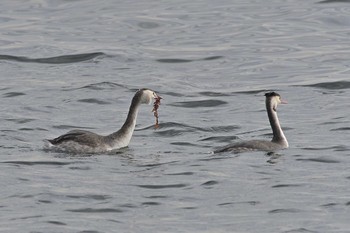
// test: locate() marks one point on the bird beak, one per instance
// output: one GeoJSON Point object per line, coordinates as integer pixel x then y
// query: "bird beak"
{"type": "Point", "coordinates": [284, 102]}
{"type": "Point", "coordinates": [158, 97]}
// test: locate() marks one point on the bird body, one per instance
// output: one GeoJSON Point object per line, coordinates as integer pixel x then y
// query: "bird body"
{"type": "Point", "coordinates": [83, 141]}
{"type": "Point", "coordinates": [279, 140]}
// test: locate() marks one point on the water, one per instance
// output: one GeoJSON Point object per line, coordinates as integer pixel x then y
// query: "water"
{"type": "Point", "coordinates": [77, 64]}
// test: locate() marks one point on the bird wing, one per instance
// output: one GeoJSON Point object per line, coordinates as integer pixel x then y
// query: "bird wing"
{"type": "Point", "coordinates": [80, 136]}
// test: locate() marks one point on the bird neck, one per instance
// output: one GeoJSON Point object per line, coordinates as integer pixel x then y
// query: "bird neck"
{"type": "Point", "coordinates": [123, 136]}
{"type": "Point", "coordinates": [278, 135]}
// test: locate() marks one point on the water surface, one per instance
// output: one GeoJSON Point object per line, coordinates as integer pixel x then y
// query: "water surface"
{"type": "Point", "coordinates": [77, 64]}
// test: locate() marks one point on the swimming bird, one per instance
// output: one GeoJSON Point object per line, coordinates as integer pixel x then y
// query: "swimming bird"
{"type": "Point", "coordinates": [279, 140]}
{"type": "Point", "coordinates": [82, 141]}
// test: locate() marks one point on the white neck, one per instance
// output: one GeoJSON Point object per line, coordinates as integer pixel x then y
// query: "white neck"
{"type": "Point", "coordinates": [278, 135]}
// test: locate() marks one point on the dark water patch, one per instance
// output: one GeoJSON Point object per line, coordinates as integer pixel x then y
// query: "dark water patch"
{"type": "Point", "coordinates": [57, 223]}
{"type": "Point", "coordinates": [173, 60]}
{"type": "Point", "coordinates": [157, 197]}
{"type": "Point", "coordinates": [234, 93]}
{"type": "Point", "coordinates": [23, 179]}
{"type": "Point", "coordinates": [288, 210]}
{"type": "Point", "coordinates": [22, 196]}
{"type": "Point", "coordinates": [341, 129]}
{"type": "Point", "coordinates": [92, 197]}
{"type": "Point", "coordinates": [20, 120]}
{"type": "Point", "coordinates": [220, 138]}
{"type": "Point", "coordinates": [148, 25]}
{"type": "Point", "coordinates": [253, 92]}
{"type": "Point", "coordinates": [175, 94]}
{"type": "Point", "coordinates": [67, 127]}
{"type": "Point", "coordinates": [156, 164]}
{"type": "Point", "coordinates": [90, 231]}
{"type": "Point", "coordinates": [150, 203]}
{"type": "Point", "coordinates": [83, 168]}
{"type": "Point", "coordinates": [128, 205]}
{"type": "Point", "coordinates": [319, 160]}
{"type": "Point", "coordinates": [169, 186]}
{"type": "Point", "coordinates": [103, 86]}
{"type": "Point", "coordinates": [253, 203]}
{"type": "Point", "coordinates": [336, 148]}
{"type": "Point", "coordinates": [300, 230]}
{"type": "Point", "coordinates": [335, 1]}
{"type": "Point", "coordinates": [286, 185]}
{"type": "Point", "coordinates": [186, 144]}
{"type": "Point", "coordinates": [210, 183]}
{"type": "Point", "coordinates": [181, 174]}
{"type": "Point", "coordinates": [32, 163]}
{"type": "Point", "coordinates": [331, 85]}
{"type": "Point", "coordinates": [213, 94]}
{"type": "Point", "coordinates": [215, 157]}
{"type": "Point", "coordinates": [348, 203]}
{"type": "Point", "coordinates": [179, 60]}
{"type": "Point", "coordinates": [211, 58]}
{"type": "Point", "coordinates": [27, 217]}
{"type": "Point", "coordinates": [189, 208]}
{"type": "Point", "coordinates": [33, 129]}
{"type": "Point", "coordinates": [224, 128]}
{"type": "Point", "coordinates": [96, 210]}
{"type": "Point", "coordinates": [199, 103]}
{"type": "Point", "coordinates": [13, 94]}
{"type": "Point", "coordinates": [93, 101]}
{"type": "Point", "coordinates": [166, 125]}
{"type": "Point", "coordinates": [45, 201]}
{"type": "Point", "coordinates": [171, 132]}
{"type": "Point", "coordinates": [184, 128]}
{"type": "Point", "coordinates": [54, 60]}
{"type": "Point", "coordinates": [329, 205]}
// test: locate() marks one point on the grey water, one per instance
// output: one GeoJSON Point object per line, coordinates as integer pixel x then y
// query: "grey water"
{"type": "Point", "coordinates": [77, 64]}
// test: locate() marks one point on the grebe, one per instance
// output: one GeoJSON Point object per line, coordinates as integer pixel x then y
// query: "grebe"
{"type": "Point", "coordinates": [82, 141]}
{"type": "Point", "coordinates": [279, 140]}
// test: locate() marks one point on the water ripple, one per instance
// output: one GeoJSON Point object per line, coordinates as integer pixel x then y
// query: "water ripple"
{"type": "Point", "coordinates": [96, 210]}
{"type": "Point", "coordinates": [334, 1]}
{"type": "Point", "coordinates": [286, 185]}
{"type": "Point", "coordinates": [31, 163]}
{"type": "Point", "coordinates": [242, 202]}
{"type": "Point", "coordinates": [300, 230]}
{"type": "Point", "coordinates": [92, 197]}
{"type": "Point", "coordinates": [181, 174]}
{"type": "Point", "coordinates": [93, 101]}
{"type": "Point", "coordinates": [331, 85]}
{"type": "Point", "coordinates": [103, 86]}
{"type": "Point", "coordinates": [20, 120]}
{"type": "Point", "coordinates": [54, 60]}
{"type": "Point", "coordinates": [210, 183]}
{"type": "Point", "coordinates": [287, 210]}
{"type": "Point", "coordinates": [199, 103]}
{"type": "Point", "coordinates": [13, 94]}
{"type": "Point", "coordinates": [179, 60]}
{"type": "Point", "coordinates": [320, 160]}
{"type": "Point", "coordinates": [162, 186]}
{"type": "Point", "coordinates": [57, 223]}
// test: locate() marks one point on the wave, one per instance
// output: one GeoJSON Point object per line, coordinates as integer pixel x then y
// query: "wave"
{"type": "Point", "coordinates": [54, 60]}
{"type": "Point", "coordinates": [180, 60]}
{"type": "Point", "coordinates": [331, 85]}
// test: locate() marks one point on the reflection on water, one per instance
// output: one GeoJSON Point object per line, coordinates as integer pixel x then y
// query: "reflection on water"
{"type": "Point", "coordinates": [74, 64]}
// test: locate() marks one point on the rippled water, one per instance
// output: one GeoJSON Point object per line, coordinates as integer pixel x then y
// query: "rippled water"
{"type": "Point", "coordinates": [77, 64]}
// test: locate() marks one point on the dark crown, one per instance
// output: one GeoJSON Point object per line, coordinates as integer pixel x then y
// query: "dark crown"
{"type": "Point", "coordinates": [271, 94]}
